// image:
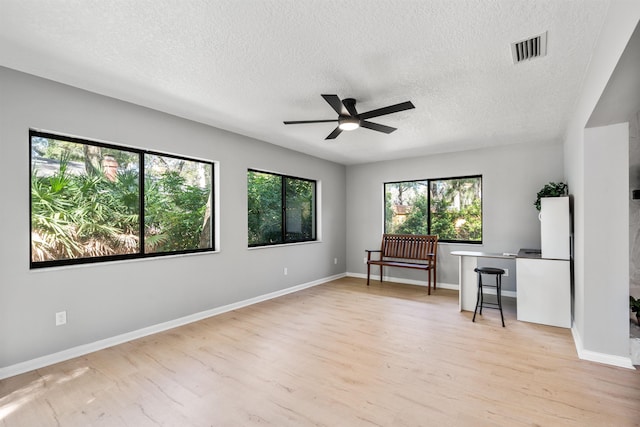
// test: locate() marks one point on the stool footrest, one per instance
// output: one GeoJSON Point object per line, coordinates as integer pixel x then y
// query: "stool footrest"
{"type": "Point", "coordinates": [491, 305]}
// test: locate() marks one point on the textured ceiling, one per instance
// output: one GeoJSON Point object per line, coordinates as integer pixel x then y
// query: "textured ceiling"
{"type": "Point", "coordinates": [246, 66]}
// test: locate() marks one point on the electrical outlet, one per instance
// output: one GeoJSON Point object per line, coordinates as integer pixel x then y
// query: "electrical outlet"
{"type": "Point", "coordinates": [286, 271]}
{"type": "Point", "coordinates": [506, 272]}
{"type": "Point", "coordinates": [335, 260]}
{"type": "Point", "coordinates": [61, 318]}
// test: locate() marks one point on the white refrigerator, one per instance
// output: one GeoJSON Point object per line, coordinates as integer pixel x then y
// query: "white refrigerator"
{"type": "Point", "coordinates": [555, 228]}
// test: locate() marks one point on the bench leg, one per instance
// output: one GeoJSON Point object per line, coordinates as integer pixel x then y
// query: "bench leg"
{"type": "Point", "coordinates": [434, 277]}
{"type": "Point", "coordinates": [381, 273]}
{"type": "Point", "coordinates": [429, 282]}
{"type": "Point", "coordinates": [368, 272]}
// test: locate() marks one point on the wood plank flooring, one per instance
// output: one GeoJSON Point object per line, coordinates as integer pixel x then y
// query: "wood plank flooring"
{"type": "Point", "coordinates": [338, 354]}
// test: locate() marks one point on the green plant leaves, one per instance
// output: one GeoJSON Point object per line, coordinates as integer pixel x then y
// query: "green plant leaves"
{"type": "Point", "coordinates": [552, 189]}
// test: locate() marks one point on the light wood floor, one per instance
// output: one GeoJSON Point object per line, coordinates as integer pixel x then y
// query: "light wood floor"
{"type": "Point", "coordinates": [339, 354]}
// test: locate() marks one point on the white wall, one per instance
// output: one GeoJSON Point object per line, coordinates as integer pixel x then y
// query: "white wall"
{"type": "Point", "coordinates": [620, 102]}
{"type": "Point", "coordinates": [511, 178]}
{"type": "Point", "coordinates": [110, 299]}
{"type": "Point", "coordinates": [595, 343]}
{"type": "Point", "coordinates": [634, 205]}
{"type": "Point", "coordinates": [606, 219]}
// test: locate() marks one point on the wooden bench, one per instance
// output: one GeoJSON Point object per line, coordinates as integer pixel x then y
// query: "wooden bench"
{"type": "Point", "coordinates": [406, 251]}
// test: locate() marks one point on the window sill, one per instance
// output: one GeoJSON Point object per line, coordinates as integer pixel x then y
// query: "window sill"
{"type": "Point", "coordinates": [284, 245]}
{"type": "Point", "coordinates": [120, 261]}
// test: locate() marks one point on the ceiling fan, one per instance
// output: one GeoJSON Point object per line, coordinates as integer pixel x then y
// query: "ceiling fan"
{"type": "Point", "coordinates": [350, 119]}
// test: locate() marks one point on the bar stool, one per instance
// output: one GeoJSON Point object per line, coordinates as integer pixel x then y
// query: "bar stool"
{"type": "Point", "coordinates": [480, 302]}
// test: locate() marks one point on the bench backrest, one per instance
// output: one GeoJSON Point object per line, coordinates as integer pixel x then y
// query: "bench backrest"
{"type": "Point", "coordinates": [409, 246]}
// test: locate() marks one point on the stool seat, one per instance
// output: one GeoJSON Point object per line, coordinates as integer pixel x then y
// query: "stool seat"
{"type": "Point", "coordinates": [480, 302]}
{"type": "Point", "coordinates": [488, 270]}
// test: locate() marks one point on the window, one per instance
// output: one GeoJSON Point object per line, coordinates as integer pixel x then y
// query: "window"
{"type": "Point", "coordinates": [281, 209]}
{"type": "Point", "coordinates": [449, 207]}
{"type": "Point", "coordinates": [90, 202]}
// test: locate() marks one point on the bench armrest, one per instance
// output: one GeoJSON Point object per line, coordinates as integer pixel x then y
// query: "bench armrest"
{"type": "Point", "coordinates": [370, 251]}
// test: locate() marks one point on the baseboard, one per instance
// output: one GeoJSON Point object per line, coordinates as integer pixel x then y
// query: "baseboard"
{"type": "Point", "coordinates": [81, 350]}
{"type": "Point", "coordinates": [593, 356]}
{"type": "Point", "coordinates": [453, 286]}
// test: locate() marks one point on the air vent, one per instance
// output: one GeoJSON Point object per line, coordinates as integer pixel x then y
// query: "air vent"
{"type": "Point", "coordinates": [530, 48]}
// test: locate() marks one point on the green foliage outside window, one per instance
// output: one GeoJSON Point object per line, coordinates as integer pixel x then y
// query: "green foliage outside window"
{"type": "Point", "coordinates": [449, 208]}
{"type": "Point", "coordinates": [281, 209]}
{"type": "Point", "coordinates": [177, 204]}
{"type": "Point", "coordinates": [85, 203]}
{"type": "Point", "coordinates": [299, 219]}
{"type": "Point", "coordinates": [264, 197]}
{"type": "Point", "coordinates": [79, 216]}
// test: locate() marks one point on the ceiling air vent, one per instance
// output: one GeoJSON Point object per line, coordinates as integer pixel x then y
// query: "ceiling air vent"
{"type": "Point", "coordinates": [530, 48]}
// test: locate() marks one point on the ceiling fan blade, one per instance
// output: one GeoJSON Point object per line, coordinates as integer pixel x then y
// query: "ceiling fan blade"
{"type": "Point", "coordinates": [387, 110]}
{"type": "Point", "coordinates": [350, 105]}
{"type": "Point", "coordinates": [335, 103]}
{"type": "Point", "coordinates": [308, 121]}
{"type": "Point", "coordinates": [376, 126]}
{"type": "Point", "coordinates": [333, 135]}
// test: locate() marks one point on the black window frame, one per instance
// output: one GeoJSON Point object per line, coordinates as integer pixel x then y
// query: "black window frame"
{"type": "Point", "coordinates": [283, 223]}
{"type": "Point", "coordinates": [429, 181]}
{"type": "Point", "coordinates": [141, 207]}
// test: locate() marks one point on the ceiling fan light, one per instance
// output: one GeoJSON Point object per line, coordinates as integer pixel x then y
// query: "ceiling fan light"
{"type": "Point", "coordinates": [349, 123]}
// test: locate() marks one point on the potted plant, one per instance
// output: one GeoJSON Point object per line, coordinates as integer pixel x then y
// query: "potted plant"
{"type": "Point", "coordinates": [552, 189]}
{"type": "Point", "coordinates": [634, 305]}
